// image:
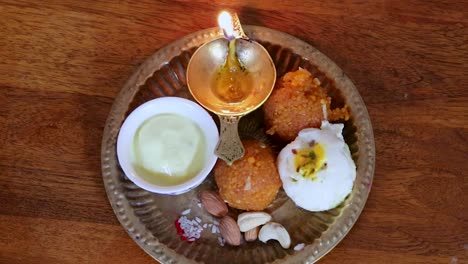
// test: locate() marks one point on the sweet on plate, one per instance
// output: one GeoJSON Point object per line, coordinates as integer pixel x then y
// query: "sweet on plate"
{"type": "Point", "coordinates": [297, 102]}
{"type": "Point", "coordinates": [316, 169]}
{"type": "Point", "coordinates": [252, 182]}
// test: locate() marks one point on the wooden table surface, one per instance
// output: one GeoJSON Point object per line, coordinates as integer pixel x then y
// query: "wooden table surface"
{"type": "Point", "coordinates": [63, 62]}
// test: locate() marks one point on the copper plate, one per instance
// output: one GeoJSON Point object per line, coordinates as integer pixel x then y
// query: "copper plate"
{"type": "Point", "coordinates": [149, 218]}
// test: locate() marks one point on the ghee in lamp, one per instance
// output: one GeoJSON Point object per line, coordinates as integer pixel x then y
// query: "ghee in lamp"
{"type": "Point", "coordinates": [230, 79]}
{"type": "Point", "coordinates": [232, 83]}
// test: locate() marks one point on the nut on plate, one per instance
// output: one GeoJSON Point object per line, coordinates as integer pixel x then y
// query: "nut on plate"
{"type": "Point", "coordinates": [213, 203]}
{"type": "Point", "coordinates": [252, 234]}
{"type": "Point", "coordinates": [230, 231]}
{"type": "Point", "coordinates": [248, 220]}
{"type": "Point", "coordinates": [275, 231]}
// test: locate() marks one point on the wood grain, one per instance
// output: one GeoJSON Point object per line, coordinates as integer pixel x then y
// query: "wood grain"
{"type": "Point", "coordinates": [63, 62]}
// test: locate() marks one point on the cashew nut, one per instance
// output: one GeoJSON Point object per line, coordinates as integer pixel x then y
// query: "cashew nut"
{"type": "Point", "coordinates": [249, 220]}
{"type": "Point", "coordinates": [277, 232]}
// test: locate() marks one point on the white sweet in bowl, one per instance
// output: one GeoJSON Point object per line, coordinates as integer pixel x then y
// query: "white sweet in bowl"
{"type": "Point", "coordinates": [167, 145]}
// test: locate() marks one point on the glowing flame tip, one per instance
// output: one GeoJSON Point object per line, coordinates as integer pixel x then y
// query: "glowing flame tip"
{"type": "Point", "coordinates": [226, 24]}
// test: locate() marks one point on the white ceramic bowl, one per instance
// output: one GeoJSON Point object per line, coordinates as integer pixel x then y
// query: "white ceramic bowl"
{"type": "Point", "coordinates": [166, 105]}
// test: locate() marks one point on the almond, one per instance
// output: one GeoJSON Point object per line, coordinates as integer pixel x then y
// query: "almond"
{"type": "Point", "coordinates": [230, 231]}
{"type": "Point", "coordinates": [252, 234]}
{"type": "Point", "coordinates": [213, 203]}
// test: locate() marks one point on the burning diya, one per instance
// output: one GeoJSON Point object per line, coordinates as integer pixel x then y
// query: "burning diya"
{"type": "Point", "coordinates": [231, 77]}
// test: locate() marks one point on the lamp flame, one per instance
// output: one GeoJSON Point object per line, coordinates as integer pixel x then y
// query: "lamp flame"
{"type": "Point", "coordinates": [225, 22]}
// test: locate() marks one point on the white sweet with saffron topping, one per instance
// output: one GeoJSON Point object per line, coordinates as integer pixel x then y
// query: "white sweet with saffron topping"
{"type": "Point", "coordinates": [316, 169]}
